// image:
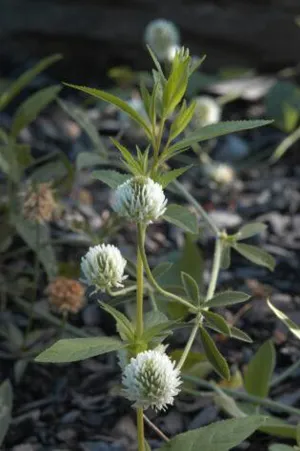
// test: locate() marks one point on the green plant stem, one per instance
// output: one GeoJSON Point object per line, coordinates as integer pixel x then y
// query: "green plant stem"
{"type": "Point", "coordinates": [63, 324]}
{"type": "Point", "coordinates": [199, 209]}
{"type": "Point", "coordinates": [285, 144]}
{"type": "Point", "coordinates": [140, 429]}
{"type": "Point", "coordinates": [151, 279]}
{"type": "Point", "coordinates": [122, 292]}
{"type": "Point", "coordinates": [188, 345]}
{"type": "Point", "coordinates": [285, 374]}
{"type": "Point", "coordinates": [266, 402]}
{"type": "Point", "coordinates": [140, 326]}
{"type": "Point", "coordinates": [215, 269]}
{"type": "Point", "coordinates": [156, 429]}
{"type": "Point", "coordinates": [35, 284]}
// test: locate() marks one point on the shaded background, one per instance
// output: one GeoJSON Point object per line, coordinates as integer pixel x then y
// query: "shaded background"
{"type": "Point", "coordinates": [94, 35]}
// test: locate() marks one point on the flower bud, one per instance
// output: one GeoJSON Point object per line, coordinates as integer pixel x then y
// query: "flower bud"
{"type": "Point", "coordinates": [207, 112]}
{"type": "Point", "coordinates": [161, 35]}
{"type": "Point", "coordinates": [140, 199]}
{"type": "Point", "coordinates": [103, 266]}
{"type": "Point", "coordinates": [151, 379]}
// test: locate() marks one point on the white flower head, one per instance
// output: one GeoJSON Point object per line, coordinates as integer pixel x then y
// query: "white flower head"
{"type": "Point", "coordinates": [151, 379]}
{"type": "Point", "coordinates": [161, 35]}
{"type": "Point", "coordinates": [103, 266]}
{"type": "Point", "coordinates": [222, 173]}
{"type": "Point", "coordinates": [207, 112]}
{"type": "Point", "coordinates": [140, 199]}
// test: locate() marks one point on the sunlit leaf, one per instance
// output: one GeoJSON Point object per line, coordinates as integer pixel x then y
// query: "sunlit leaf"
{"type": "Point", "coordinates": [213, 355]}
{"type": "Point", "coordinates": [293, 327]}
{"type": "Point", "coordinates": [256, 255]}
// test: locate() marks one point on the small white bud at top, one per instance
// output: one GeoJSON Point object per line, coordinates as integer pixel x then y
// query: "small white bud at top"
{"type": "Point", "coordinates": [103, 266]}
{"type": "Point", "coordinates": [207, 112]}
{"type": "Point", "coordinates": [161, 35]}
{"type": "Point", "coordinates": [140, 200]}
{"type": "Point", "coordinates": [151, 380]}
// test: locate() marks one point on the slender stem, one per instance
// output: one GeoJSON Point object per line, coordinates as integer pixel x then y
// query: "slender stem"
{"type": "Point", "coordinates": [188, 345]}
{"type": "Point", "coordinates": [156, 429]}
{"type": "Point", "coordinates": [215, 269]}
{"type": "Point", "coordinates": [122, 292]}
{"type": "Point", "coordinates": [266, 402]}
{"type": "Point", "coordinates": [140, 326]}
{"type": "Point", "coordinates": [284, 145]}
{"type": "Point", "coordinates": [140, 429]}
{"type": "Point", "coordinates": [285, 374]}
{"type": "Point", "coordinates": [152, 280]}
{"type": "Point", "coordinates": [199, 209]}
{"type": "Point", "coordinates": [35, 283]}
{"type": "Point", "coordinates": [63, 324]}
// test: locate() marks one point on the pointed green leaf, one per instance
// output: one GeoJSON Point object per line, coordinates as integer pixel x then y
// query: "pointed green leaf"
{"type": "Point", "coordinates": [170, 176]}
{"type": "Point", "coordinates": [256, 255]}
{"type": "Point", "coordinates": [227, 298]}
{"type": "Point", "coordinates": [119, 103]}
{"type": "Point", "coordinates": [16, 87]}
{"type": "Point", "coordinates": [182, 119]}
{"type": "Point", "coordinates": [293, 327]}
{"type": "Point", "coordinates": [190, 287]}
{"type": "Point", "coordinates": [219, 436]}
{"type": "Point", "coordinates": [240, 335]}
{"type": "Point", "coordinates": [225, 256]}
{"type": "Point", "coordinates": [213, 131]}
{"type": "Point", "coordinates": [216, 320]}
{"type": "Point", "coordinates": [278, 428]}
{"type": "Point", "coordinates": [31, 108]}
{"type": "Point", "coordinates": [181, 217]}
{"type": "Point", "coordinates": [111, 178]}
{"type": "Point", "coordinates": [88, 160]}
{"type": "Point", "coordinates": [161, 269]}
{"type": "Point", "coordinates": [260, 370]}
{"type": "Point", "coordinates": [213, 355]}
{"type": "Point", "coordinates": [75, 349]}
{"type": "Point", "coordinates": [124, 326]}
{"type": "Point", "coordinates": [249, 230]}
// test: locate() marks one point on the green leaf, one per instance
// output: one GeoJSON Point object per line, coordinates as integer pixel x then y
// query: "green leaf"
{"type": "Point", "coordinates": [249, 230]}
{"type": "Point", "coordinates": [293, 327]}
{"type": "Point", "coordinates": [111, 178]}
{"type": "Point", "coordinates": [260, 369]}
{"type": "Point", "coordinates": [28, 231]}
{"type": "Point", "coordinates": [170, 176]}
{"type": "Point", "coordinates": [124, 326]}
{"type": "Point", "coordinates": [213, 131]}
{"type": "Point", "coordinates": [110, 98]}
{"type": "Point", "coordinates": [16, 87]}
{"type": "Point", "coordinates": [213, 355]}
{"type": "Point", "coordinates": [240, 335]}
{"type": "Point", "coordinates": [181, 217]}
{"type": "Point", "coordinates": [80, 116]}
{"type": "Point", "coordinates": [88, 160]}
{"type": "Point", "coordinates": [161, 269]}
{"type": "Point", "coordinates": [75, 349]}
{"type": "Point", "coordinates": [156, 326]}
{"type": "Point", "coordinates": [228, 404]}
{"type": "Point", "coordinates": [227, 298]}
{"type": "Point", "coordinates": [182, 119]}
{"type": "Point", "coordinates": [283, 93]}
{"type": "Point", "coordinates": [6, 396]}
{"type": "Point", "coordinates": [31, 108]}
{"type": "Point", "coordinates": [280, 447]}
{"type": "Point", "coordinates": [256, 255]}
{"type": "Point", "coordinates": [225, 256]}
{"type": "Point", "coordinates": [278, 428]}
{"type": "Point", "coordinates": [217, 321]}
{"type": "Point", "coordinates": [219, 436]}
{"type": "Point", "coordinates": [129, 160]}
{"type": "Point", "coordinates": [190, 287]}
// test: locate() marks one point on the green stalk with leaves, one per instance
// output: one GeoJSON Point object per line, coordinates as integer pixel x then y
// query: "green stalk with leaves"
{"type": "Point", "coordinates": [149, 377]}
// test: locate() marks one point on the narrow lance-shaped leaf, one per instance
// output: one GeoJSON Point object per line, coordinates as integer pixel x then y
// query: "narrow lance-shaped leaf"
{"type": "Point", "coordinates": [170, 176]}
{"type": "Point", "coordinates": [119, 103]}
{"type": "Point", "coordinates": [260, 369]}
{"type": "Point", "coordinates": [227, 298]}
{"type": "Point", "coordinates": [75, 349]}
{"type": "Point", "coordinates": [16, 87]}
{"type": "Point", "coordinates": [124, 326]}
{"type": "Point", "coordinates": [181, 217]}
{"type": "Point", "coordinates": [213, 355]}
{"type": "Point", "coordinates": [111, 178]}
{"type": "Point", "coordinates": [219, 436]}
{"type": "Point", "coordinates": [217, 321]}
{"type": "Point", "coordinates": [255, 255]}
{"type": "Point", "coordinates": [293, 327]}
{"type": "Point", "coordinates": [190, 287]}
{"type": "Point", "coordinates": [249, 230]}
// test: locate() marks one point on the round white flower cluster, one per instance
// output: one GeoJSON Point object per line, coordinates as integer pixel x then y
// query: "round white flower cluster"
{"type": "Point", "coordinates": [151, 379]}
{"type": "Point", "coordinates": [163, 38]}
{"type": "Point", "coordinates": [223, 173]}
{"type": "Point", "coordinates": [207, 112]}
{"type": "Point", "coordinates": [140, 199]}
{"type": "Point", "coordinates": [103, 266]}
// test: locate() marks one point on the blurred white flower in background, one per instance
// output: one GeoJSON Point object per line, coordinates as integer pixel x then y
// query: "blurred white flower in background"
{"type": "Point", "coordinates": [140, 200]}
{"type": "Point", "coordinates": [207, 112]}
{"type": "Point", "coordinates": [103, 266]}
{"type": "Point", "coordinates": [162, 35]}
{"type": "Point", "coordinates": [151, 379]}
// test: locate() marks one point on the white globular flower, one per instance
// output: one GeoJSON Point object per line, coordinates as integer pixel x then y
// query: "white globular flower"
{"type": "Point", "coordinates": [161, 35]}
{"type": "Point", "coordinates": [207, 111]}
{"type": "Point", "coordinates": [151, 380]}
{"type": "Point", "coordinates": [223, 173]}
{"type": "Point", "coordinates": [103, 266]}
{"type": "Point", "coordinates": [140, 200]}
